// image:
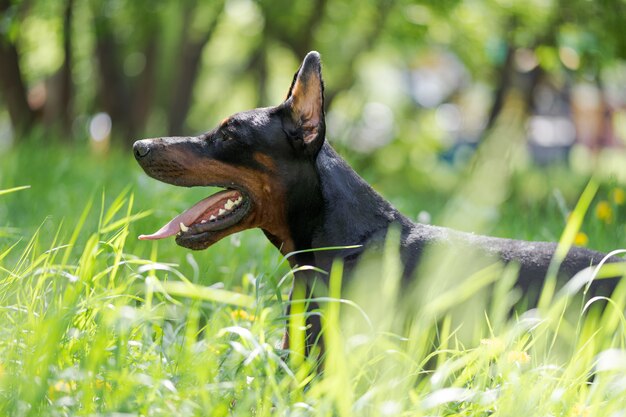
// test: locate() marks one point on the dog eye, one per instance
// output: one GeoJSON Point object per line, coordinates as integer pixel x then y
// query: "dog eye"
{"type": "Point", "coordinates": [222, 137]}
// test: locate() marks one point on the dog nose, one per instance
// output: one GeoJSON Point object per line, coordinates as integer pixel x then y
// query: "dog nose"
{"type": "Point", "coordinates": [141, 148]}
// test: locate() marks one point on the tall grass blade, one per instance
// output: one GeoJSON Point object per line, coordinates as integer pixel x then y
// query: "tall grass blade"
{"type": "Point", "coordinates": [198, 292]}
{"type": "Point", "coordinates": [566, 241]}
{"type": "Point", "coordinates": [14, 189]}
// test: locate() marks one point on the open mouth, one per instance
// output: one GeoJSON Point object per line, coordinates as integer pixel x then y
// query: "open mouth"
{"type": "Point", "coordinates": [217, 212]}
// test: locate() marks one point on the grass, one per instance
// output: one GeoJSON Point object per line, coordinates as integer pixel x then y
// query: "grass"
{"type": "Point", "coordinates": [98, 323]}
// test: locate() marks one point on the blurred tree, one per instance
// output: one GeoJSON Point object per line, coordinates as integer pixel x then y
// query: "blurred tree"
{"type": "Point", "coordinates": [126, 87]}
{"type": "Point", "coordinates": [59, 106]}
{"type": "Point", "coordinates": [129, 94]}
{"type": "Point", "coordinates": [167, 65]}
{"type": "Point", "coordinates": [197, 30]}
{"type": "Point", "coordinates": [13, 87]}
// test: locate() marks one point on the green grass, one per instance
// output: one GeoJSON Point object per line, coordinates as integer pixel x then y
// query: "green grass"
{"type": "Point", "coordinates": [96, 322]}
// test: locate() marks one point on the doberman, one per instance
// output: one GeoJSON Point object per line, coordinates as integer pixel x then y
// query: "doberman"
{"type": "Point", "coordinates": [282, 176]}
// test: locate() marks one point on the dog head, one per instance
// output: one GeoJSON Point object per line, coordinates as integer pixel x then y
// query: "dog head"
{"type": "Point", "coordinates": [263, 158]}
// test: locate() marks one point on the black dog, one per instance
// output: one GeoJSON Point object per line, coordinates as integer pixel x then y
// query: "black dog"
{"type": "Point", "coordinates": [281, 175]}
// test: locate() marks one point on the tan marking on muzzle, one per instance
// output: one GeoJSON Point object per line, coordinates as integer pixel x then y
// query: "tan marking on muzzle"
{"type": "Point", "coordinates": [263, 187]}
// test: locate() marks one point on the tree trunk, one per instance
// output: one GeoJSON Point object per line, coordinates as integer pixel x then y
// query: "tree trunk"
{"type": "Point", "coordinates": [304, 41]}
{"type": "Point", "coordinates": [67, 87]}
{"type": "Point", "coordinates": [182, 91]}
{"type": "Point", "coordinates": [57, 110]}
{"type": "Point", "coordinates": [22, 117]}
{"type": "Point", "coordinates": [258, 64]}
{"type": "Point", "coordinates": [113, 90]}
{"type": "Point", "coordinates": [186, 73]}
{"type": "Point", "coordinates": [143, 94]}
{"type": "Point", "coordinates": [504, 83]}
{"type": "Point", "coordinates": [12, 83]}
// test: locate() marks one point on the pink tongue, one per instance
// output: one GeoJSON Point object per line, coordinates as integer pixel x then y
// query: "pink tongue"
{"type": "Point", "coordinates": [186, 218]}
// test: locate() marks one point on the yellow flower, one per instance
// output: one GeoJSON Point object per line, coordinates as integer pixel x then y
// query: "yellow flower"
{"type": "Point", "coordinates": [101, 384]}
{"type": "Point", "coordinates": [581, 239]}
{"type": "Point", "coordinates": [604, 211]}
{"type": "Point", "coordinates": [518, 356]}
{"type": "Point", "coordinates": [241, 315]}
{"type": "Point", "coordinates": [61, 387]}
{"type": "Point", "coordinates": [619, 196]}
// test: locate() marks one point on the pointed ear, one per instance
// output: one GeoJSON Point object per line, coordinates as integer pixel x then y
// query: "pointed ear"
{"type": "Point", "coordinates": [305, 104]}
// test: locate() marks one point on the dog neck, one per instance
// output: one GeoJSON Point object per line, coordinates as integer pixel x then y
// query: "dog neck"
{"type": "Point", "coordinates": [333, 206]}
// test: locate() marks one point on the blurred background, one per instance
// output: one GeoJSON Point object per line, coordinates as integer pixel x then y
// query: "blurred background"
{"type": "Point", "coordinates": [430, 77]}
{"type": "Point", "coordinates": [412, 88]}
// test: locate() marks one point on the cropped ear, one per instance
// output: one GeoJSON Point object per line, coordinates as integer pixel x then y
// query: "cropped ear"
{"type": "Point", "coordinates": [305, 105]}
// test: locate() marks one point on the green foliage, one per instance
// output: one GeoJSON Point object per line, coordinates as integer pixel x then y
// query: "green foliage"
{"type": "Point", "coordinates": [97, 323]}
{"type": "Point", "coordinates": [245, 51]}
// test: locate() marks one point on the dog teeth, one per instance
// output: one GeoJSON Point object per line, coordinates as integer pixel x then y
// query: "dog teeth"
{"type": "Point", "coordinates": [230, 205]}
{"type": "Point", "coordinates": [202, 221]}
{"type": "Point", "coordinates": [183, 228]}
